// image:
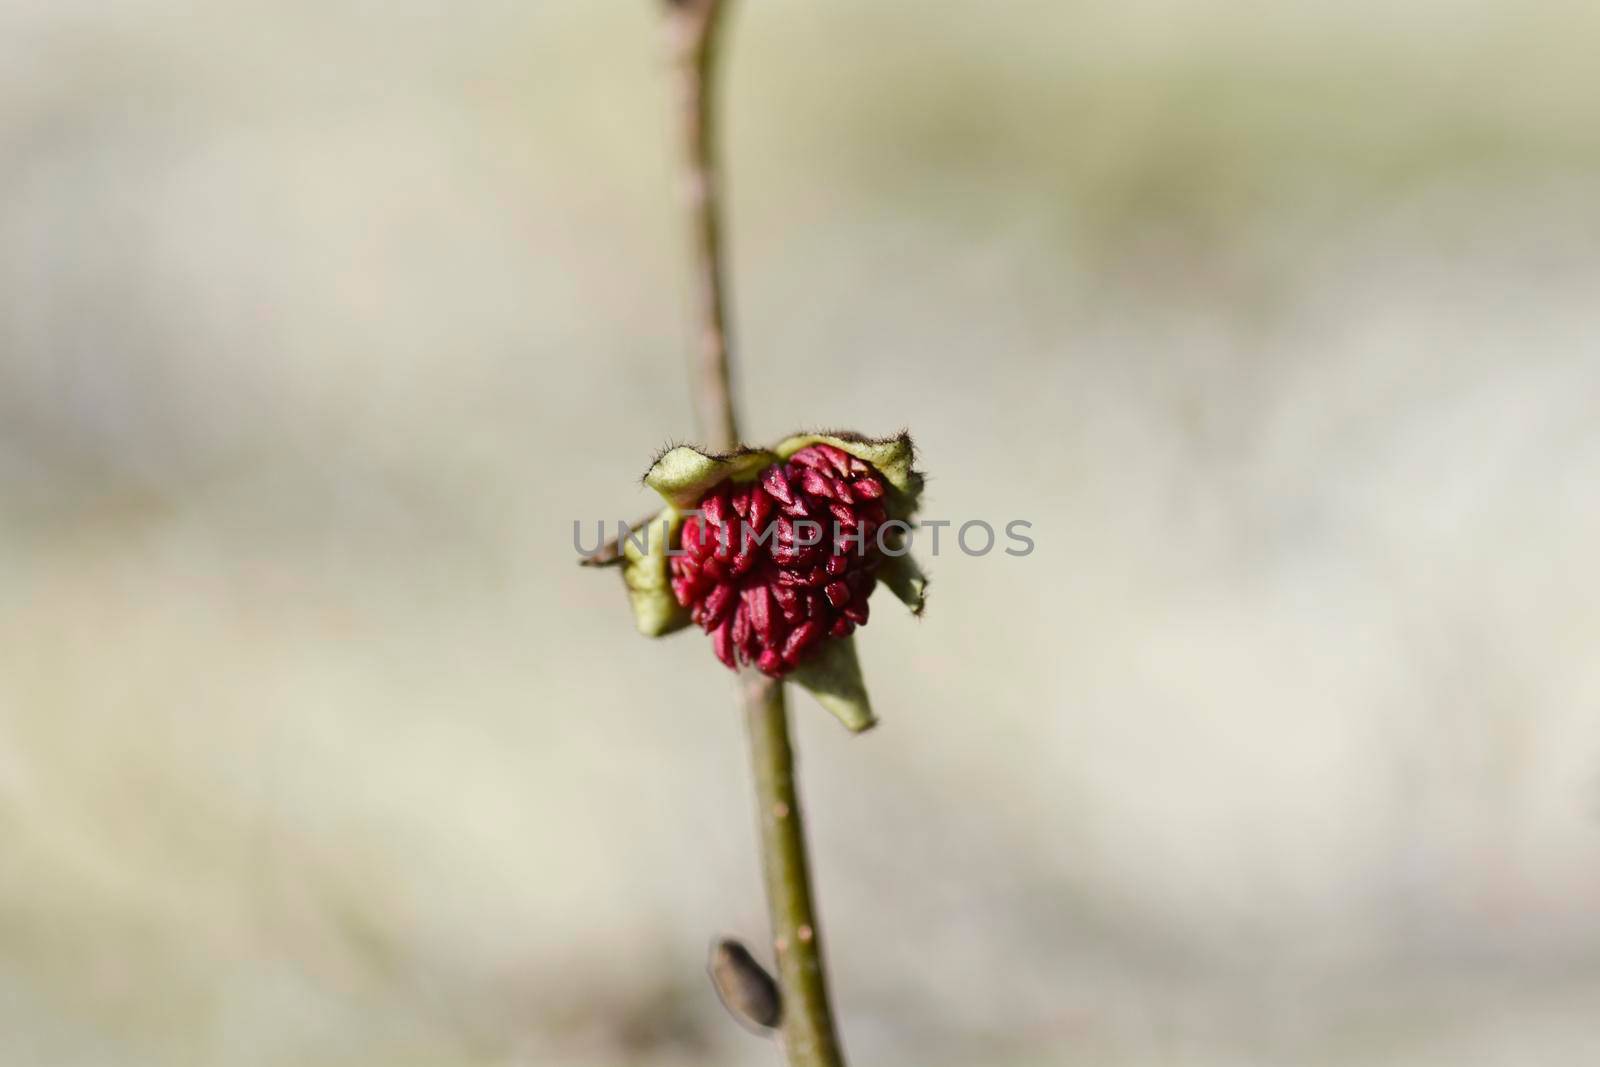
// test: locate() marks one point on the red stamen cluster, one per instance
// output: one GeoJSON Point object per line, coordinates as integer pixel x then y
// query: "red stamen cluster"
{"type": "Point", "coordinates": [770, 603]}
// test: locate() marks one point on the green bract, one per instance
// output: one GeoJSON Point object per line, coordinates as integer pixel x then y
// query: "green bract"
{"type": "Point", "coordinates": [644, 570]}
{"type": "Point", "coordinates": [684, 474]}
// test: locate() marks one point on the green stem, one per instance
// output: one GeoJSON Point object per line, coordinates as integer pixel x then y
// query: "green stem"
{"type": "Point", "coordinates": [807, 1027]}
{"type": "Point", "coordinates": [694, 26]}
{"type": "Point", "coordinates": [807, 1022]}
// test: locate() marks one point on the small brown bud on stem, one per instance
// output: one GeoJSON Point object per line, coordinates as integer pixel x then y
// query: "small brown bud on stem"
{"type": "Point", "coordinates": [744, 986]}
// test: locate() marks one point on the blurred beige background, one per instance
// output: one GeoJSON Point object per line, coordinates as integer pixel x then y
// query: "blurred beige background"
{"type": "Point", "coordinates": [320, 323]}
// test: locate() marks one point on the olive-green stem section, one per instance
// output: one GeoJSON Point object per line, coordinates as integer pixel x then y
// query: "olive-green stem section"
{"type": "Point", "coordinates": [807, 1028]}
{"type": "Point", "coordinates": [808, 1035]}
{"type": "Point", "coordinates": [694, 29]}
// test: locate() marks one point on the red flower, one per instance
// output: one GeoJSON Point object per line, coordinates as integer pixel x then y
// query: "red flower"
{"type": "Point", "coordinates": [771, 568]}
{"type": "Point", "coordinates": [774, 552]}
